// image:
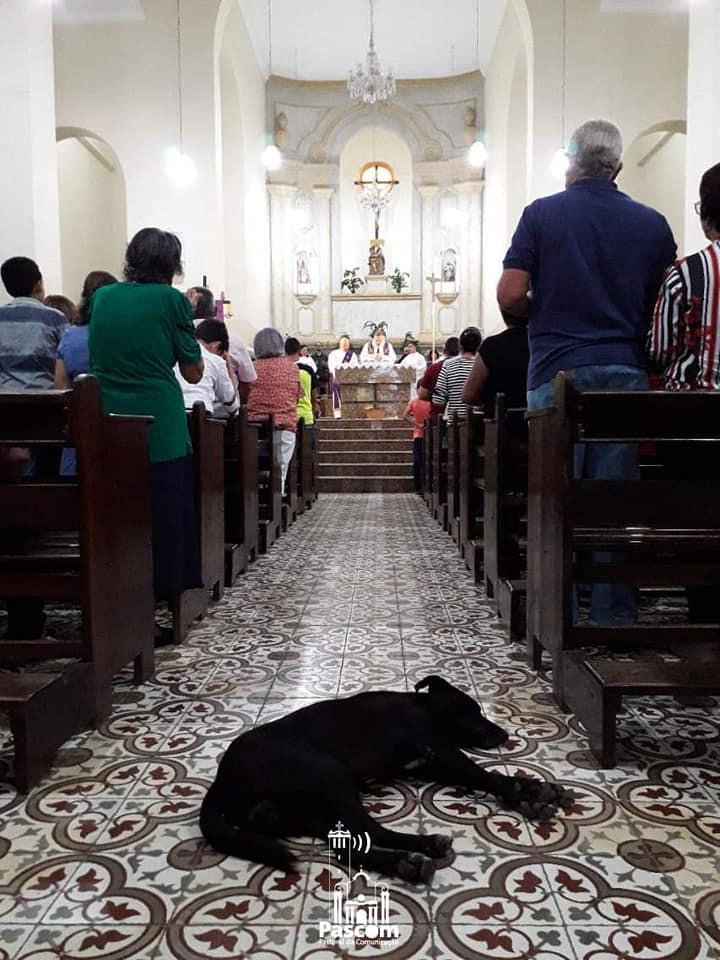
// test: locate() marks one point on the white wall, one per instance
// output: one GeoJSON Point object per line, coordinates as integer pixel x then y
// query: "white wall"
{"type": "Point", "coordinates": [245, 210]}
{"type": "Point", "coordinates": [119, 82]}
{"type": "Point", "coordinates": [356, 223]}
{"type": "Point", "coordinates": [660, 181]}
{"type": "Point", "coordinates": [507, 140]}
{"type": "Point", "coordinates": [92, 215]}
{"type": "Point", "coordinates": [703, 109]}
{"type": "Point", "coordinates": [628, 67]}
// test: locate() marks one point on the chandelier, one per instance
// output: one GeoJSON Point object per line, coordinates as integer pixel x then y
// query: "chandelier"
{"type": "Point", "coordinates": [369, 84]}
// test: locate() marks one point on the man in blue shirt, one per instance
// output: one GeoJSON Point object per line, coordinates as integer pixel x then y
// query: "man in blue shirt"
{"type": "Point", "coordinates": [585, 266]}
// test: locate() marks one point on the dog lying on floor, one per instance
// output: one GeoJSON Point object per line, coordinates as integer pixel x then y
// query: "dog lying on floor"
{"type": "Point", "coordinates": [301, 774]}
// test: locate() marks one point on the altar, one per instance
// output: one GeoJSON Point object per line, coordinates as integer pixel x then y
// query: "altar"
{"type": "Point", "coordinates": [384, 388]}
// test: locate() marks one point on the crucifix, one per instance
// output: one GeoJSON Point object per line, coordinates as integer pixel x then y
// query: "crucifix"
{"type": "Point", "coordinates": [376, 182]}
{"type": "Point", "coordinates": [433, 281]}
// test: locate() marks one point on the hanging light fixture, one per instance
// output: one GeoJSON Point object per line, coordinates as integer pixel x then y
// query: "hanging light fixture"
{"type": "Point", "coordinates": [368, 84]}
{"type": "Point", "coordinates": [271, 158]}
{"type": "Point", "coordinates": [180, 168]}
{"type": "Point", "coordinates": [477, 155]}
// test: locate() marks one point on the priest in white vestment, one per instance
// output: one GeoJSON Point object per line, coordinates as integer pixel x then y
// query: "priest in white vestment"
{"type": "Point", "coordinates": [377, 351]}
{"type": "Point", "coordinates": [417, 362]}
{"type": "Point", "coordinates": [344, 358]}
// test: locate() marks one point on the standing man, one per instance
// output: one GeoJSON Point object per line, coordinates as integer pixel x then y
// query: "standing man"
{"type": "Point", "coordinates": [585, 266]}
{"type": "Point", "coordinates": [454, 372]}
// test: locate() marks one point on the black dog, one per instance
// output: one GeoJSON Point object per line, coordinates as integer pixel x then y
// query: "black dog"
{"type": "Point", "coordinates": [299, 775]}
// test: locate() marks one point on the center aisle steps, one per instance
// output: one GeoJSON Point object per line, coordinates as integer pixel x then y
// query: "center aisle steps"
{"type": "Point", "coordinates": [365, 456]}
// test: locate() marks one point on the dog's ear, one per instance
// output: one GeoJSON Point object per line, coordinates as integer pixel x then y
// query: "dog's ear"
{"type": "Point", "coordinates": [432, 684]}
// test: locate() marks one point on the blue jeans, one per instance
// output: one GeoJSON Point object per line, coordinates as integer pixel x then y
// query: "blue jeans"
{"type": "Point", "coordinates": [613, 604]}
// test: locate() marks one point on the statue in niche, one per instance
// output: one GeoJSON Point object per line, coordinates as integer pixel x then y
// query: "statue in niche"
{"type": "Point", "coordinates": [448, 265]}
{"type": "Point", "coordinates": [376, 260]}
{"type": "Point", "coordinates": [303, 269]}
{"type": "Point", "coordinates": [282, 138]}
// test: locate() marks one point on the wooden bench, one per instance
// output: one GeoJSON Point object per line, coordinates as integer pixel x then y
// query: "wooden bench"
{"type": "Point", "coordinates": [241, 496]}
{"type": "Point", "coordinates": [439, 472]}
{"type": "Point", "coordinates": [85, 540]}
{"type": "Point", "coordinates": [470, 467]}
{"type": "Point", "coordinates": [506, 481]}
{"type": "Point", "coordinates": [453, 480]}
{"type": "Point", "coordinates": [653, 525]}
{"type": "Point", "coordinates": [290, 500]}
{"type": "Point", "coordinates": [427, 464]}
{"type": "Point", "coordinates": [594, 690]}
{"type": "Point", "coordinates": [269, 488]}
{"type": "Point", "coordinates": [207, 436]}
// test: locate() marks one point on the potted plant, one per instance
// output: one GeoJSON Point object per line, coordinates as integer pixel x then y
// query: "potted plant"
{"type": "Point", "coordinates": [376, 327]}
{"type": "Point", "coordinates": [352, 280]}
{"type": "Point", "coordinates": [399, 280]}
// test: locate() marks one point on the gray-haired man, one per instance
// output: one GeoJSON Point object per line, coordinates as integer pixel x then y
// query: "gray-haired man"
{"type": "Point", "coordinates": [594, 260]}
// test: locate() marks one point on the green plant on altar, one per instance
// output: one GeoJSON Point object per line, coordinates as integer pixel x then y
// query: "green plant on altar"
{"type": "Point", "coordinates": [352, 280]}
{"type": "Point", "coordinates": [399, 280]}
{"type": "Point", "coordinates": [376, 327]}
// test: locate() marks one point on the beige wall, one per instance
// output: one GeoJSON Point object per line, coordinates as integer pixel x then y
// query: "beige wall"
{"type": "Point", "coordinates": [92, 215]}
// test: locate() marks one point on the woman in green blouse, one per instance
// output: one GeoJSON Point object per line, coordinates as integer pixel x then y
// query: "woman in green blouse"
{"type": "Point", "coordinates": [139, 330]}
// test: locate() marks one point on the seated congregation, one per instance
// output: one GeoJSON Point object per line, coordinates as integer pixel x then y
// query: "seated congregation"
{"type": "Point", "coordinates": [145, 461]}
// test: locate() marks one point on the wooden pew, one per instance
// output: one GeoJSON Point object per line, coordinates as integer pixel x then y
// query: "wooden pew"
{"type": "Point", "coordinates": [470, 460]}
{"type": "Point", "coordinates": [85, 540]}
{"type": "Point", "coordinates": [290, 500]}
{"type": "Point", "coordinates": [269, 489]}
{"type": "Point", "coordinates": [654, 526]}
{"type": "Point", "coordinates": [439, 471]}
{"type": "Point", "coordinates": [207, 436]}
{"type": "Point", "coordinates": [506, 480]}
{"type": "Point", "coordinates": [306, 467]}
{"type": "Point", "coordinates": [427, 488]}
{"type": "Point", "coordinates": [453, 480]}
{"type": "Point", "coordinates": [241, 495]}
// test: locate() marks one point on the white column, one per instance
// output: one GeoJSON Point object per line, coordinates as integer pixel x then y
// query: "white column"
{"type": "Point", "coordinates": [429, 194]}
{"type": "Point", "coordinates": [283, 299]}
{"type": "Point", "coordinates": [703, 109]}
{"type": "Point", "coordinates": [470, 278]}
{"type": "Point", "coordinates": [322, 200]}
{"type": "Point", "coordinates": [29, 221]}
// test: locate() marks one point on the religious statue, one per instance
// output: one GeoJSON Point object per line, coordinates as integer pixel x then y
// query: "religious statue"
{"type": "Point", "coordinates": [341, 359]}
{"type": "Point", "coordinates": [376, 260]}
{"type": "Point", "coordinates": [378, 350]}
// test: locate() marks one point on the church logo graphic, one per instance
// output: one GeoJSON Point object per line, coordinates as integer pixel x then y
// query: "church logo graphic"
{"type": "Point", "coordinates": [362, 918]}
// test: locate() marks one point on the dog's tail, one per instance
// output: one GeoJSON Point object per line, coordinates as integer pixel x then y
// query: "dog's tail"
{"type": "Point", "coordinates": [239, 842]}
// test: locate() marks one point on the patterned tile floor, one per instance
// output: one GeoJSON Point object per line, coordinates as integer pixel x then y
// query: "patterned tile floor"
{"type": "Point", "coordinates": [105, 860]}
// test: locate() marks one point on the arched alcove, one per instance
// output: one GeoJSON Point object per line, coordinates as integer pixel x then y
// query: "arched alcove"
{"type": "Point", "coordinates": [653, 172]}
{"type": "Point", "coordinates": [93, 213]}
{"type": "Point", "coordinates": [396, 221]}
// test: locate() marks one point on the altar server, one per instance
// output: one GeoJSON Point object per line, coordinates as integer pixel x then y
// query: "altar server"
{"type": "Point", "coordinates": [416, 361]}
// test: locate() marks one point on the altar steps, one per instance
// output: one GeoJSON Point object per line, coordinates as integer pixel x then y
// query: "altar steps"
{"type": "Point", "coordinates": [364, 456]}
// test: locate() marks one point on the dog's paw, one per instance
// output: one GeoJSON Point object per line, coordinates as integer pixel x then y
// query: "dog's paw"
{"type": "Point", "coordinates": [436, 845]}
{"type": "Point", "coordinates": [415, 868]}
{"type": "Point", "coordinates": [536, 799]}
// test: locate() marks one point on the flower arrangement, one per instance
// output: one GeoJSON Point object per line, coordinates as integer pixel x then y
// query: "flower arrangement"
{"type": "Point", "coordinates": [399, 280]}
{"type": "Point", "coordinates": [352, 280]}
{"type": "Point", "coordinates": [376, 327]}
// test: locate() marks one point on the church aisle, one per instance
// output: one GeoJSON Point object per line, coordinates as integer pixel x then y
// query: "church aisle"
{"type": "Point", "coordinates": [364, 592]}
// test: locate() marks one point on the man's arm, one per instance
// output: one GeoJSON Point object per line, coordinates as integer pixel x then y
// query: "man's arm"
{"type": "Point", "coordinates": [440, 394]}
{"type": "Point", "coordinates": [512, 292]}
{"type": "Point", "coordinates": [475, 383]}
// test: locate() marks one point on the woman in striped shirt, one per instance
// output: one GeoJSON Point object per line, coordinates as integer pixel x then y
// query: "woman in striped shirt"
{"type": "Point", "coordinates": [684, 345]}
{"type": "Point", "coordinates": [454, 373]}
